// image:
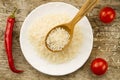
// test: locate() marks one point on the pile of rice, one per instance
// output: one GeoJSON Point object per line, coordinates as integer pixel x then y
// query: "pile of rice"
{"type": "Point", "coordinates": [57, 39]}
{"type": "Point", "coordinates": [38, 30]}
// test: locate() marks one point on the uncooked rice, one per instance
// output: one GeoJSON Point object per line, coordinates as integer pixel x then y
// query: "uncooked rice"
{"type": "Point", "coordinates": [57, 39]}
{"type": "Point", "coordinates": [38, 30]}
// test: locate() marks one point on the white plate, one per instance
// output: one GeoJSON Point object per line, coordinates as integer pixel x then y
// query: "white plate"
{"type": "Point", "coordinates": [36, 61]}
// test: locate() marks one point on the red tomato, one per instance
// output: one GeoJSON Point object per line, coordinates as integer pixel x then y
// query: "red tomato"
{"type": "Point", "coordinates": [99, 66]}
{"type": "Point", "coordinates": [107, 15]}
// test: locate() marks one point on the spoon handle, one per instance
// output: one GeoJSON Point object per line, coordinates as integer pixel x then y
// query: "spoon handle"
{"type": "Point", "coordinates": [87, 6]}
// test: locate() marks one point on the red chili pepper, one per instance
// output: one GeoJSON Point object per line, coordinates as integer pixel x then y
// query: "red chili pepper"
{"type": "Point", "coordinates": [8, 41]}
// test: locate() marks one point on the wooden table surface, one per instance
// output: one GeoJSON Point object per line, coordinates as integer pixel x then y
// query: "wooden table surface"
{"type": "Point", "coordinates": [106, 42]}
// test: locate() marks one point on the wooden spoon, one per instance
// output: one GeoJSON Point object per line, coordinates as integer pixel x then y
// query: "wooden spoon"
{"type": "Point", "coordinates": [69, 27]}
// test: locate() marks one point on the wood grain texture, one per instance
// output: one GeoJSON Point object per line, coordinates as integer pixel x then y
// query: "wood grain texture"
{"type": "Point", "coordinates": [106, 42]}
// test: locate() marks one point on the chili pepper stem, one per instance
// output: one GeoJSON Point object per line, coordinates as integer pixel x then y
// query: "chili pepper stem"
{"type": "Point", "coordinates": [13, 13]}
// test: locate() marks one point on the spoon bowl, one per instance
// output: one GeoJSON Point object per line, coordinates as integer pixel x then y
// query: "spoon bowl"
{"type": "Point", "coordinates": [66, 28]}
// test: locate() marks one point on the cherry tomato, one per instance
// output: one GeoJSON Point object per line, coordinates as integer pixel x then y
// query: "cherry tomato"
{"type": "Point", "coordinates": [99, 66]}
{"type": "Point", "coordinates": [107, 14]}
